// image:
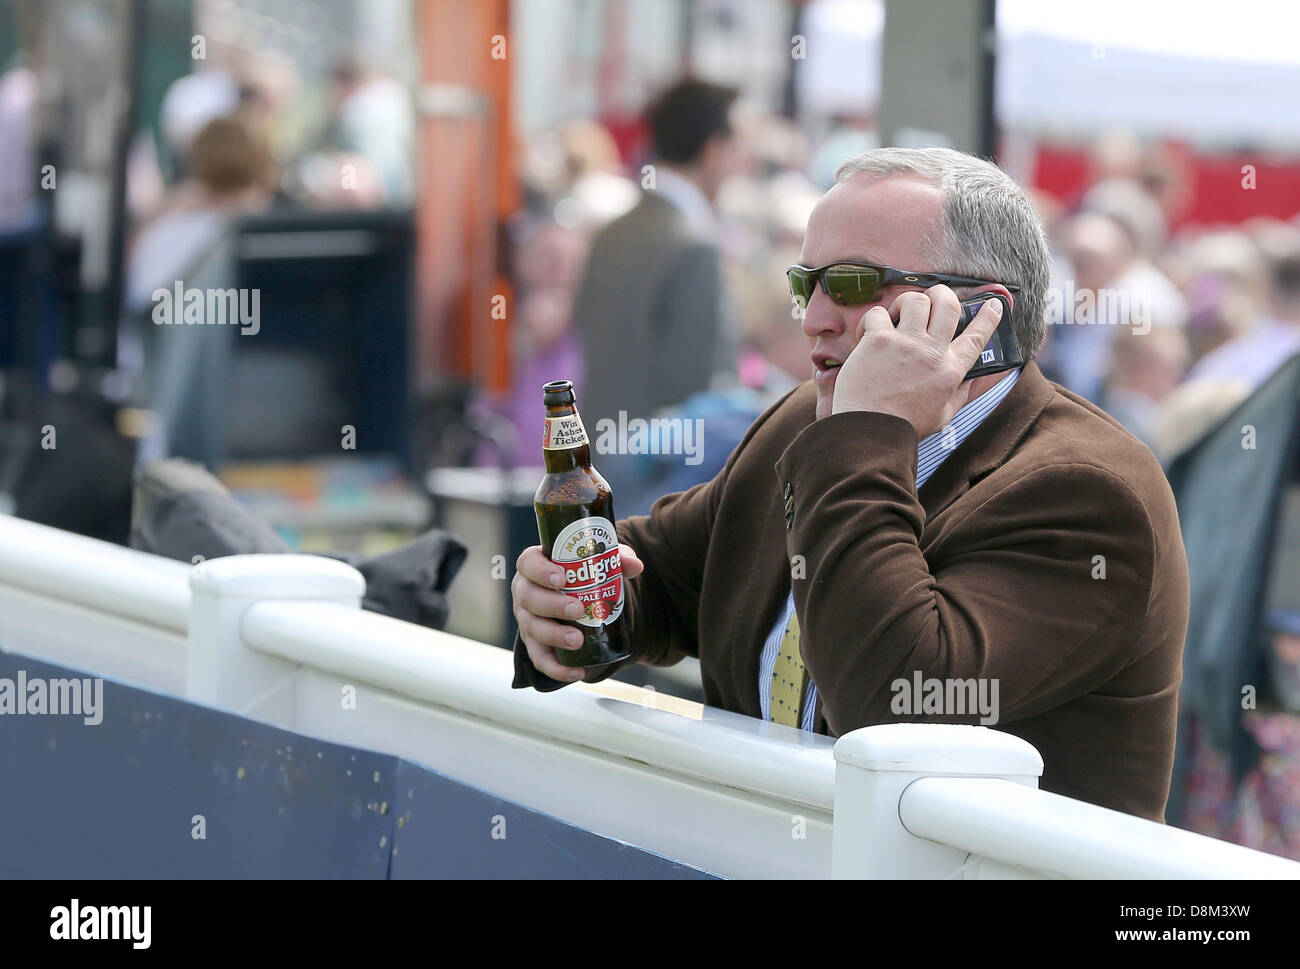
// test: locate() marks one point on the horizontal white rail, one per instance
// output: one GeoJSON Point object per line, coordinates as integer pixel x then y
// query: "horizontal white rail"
{"type": "Point", "coordinates": [93, 606]}
{"type": "Point", "coordinates": [98, 575]}
{"type": "Point", "coordinates": [1059, 837]}
{"type": "Point", "coordinates": [474, 680]}
{"type": "Point", "coordinates": [946, 801]}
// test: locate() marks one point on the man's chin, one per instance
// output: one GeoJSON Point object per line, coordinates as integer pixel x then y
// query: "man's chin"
{"type": "Point", "coordinates": [825, 401]}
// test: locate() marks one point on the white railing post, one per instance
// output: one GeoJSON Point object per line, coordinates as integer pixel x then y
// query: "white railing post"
{"type": "Point", "coordinates": [874, 765]}
{"type": "Point", "coordinates": [222, 670]}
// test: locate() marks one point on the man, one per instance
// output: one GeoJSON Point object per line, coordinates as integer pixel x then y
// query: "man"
{"type": "Point", "coordinates": [652, 289]}
{"type": "Point", "coordinates": [1145, 369]}
{"type": "Point", "coordinates": [1077, 356]}
{"type": "Point", "coordinates": [899, 521]}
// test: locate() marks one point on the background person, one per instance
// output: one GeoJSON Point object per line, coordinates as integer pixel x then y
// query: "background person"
{"type": "Point", "coordinates": [652, 291]}
{"type": "Point", "coordinates": [185, 370]}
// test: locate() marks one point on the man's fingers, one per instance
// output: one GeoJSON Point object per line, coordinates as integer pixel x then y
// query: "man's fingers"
{"type": "Point", "coordinates": [913, 312]}
{"type": "Point", "coordinates": [534, 566]}
{"type": "Point", "coordinates": [541, 601]}
{"type": "Point", "coordinates": [543, 658]}
{"type": "Point", "coordinates": [966, 349]}
{"type": "Point", "coordinates": [945, 312]}
{"type": "Point", "coordinates": [548, 632]}
{"type": "Point", "coordinates": [876, 318]}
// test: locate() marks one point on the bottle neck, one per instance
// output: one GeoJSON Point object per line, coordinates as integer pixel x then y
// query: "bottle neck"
{"type": "Point", "coordinates": [557, 462]}
{"type": "Point", "coordinates": [560, 460]}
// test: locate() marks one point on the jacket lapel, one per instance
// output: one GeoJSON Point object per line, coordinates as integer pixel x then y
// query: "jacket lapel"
{"type": "Point", "coordinates": [768, 585]}
{"type": "Point", "coordinates": [991, 443]}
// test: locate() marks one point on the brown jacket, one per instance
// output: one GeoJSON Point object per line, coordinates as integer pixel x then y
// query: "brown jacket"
{"type": "Point", "coordinates": [1044, 552]}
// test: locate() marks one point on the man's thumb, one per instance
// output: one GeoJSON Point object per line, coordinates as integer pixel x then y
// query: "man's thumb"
{"type": "Point", "coordinates": [976, 337]}
{"type": "Point", "coordinates": [632, 566]}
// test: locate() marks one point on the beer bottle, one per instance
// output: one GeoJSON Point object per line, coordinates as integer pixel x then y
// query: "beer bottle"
{"type": "Point", "coordinates": [575, 522]}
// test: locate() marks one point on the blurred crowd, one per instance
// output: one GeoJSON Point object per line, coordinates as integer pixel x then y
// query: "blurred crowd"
{"type": "Point", "coordinates": [245, 130]}
{"type": "Point", "coordinates": [241, 135]}
{"type": "Point", "coordinates": [1167, 331]}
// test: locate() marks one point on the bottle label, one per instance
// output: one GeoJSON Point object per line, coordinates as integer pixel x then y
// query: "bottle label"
{"type": "Point", "coordinates": [593, 571]}
{"type": "Point", "coordinates": [564, 432]}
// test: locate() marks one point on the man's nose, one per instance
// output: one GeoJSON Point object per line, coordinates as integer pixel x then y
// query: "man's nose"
{"type": "Point", "coordinates": [822, 316]}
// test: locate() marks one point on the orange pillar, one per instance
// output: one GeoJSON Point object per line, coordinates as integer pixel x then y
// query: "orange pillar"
{"type": "Point", "coordinates": [467, 190]}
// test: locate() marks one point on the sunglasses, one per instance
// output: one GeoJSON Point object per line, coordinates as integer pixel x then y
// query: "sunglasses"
{"type": "Point", "coordinates": [851, 283]}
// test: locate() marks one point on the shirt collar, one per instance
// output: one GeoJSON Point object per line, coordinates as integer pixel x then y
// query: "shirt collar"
{"type": "Point", "coordinates": [687, 198]}
{"type": "Point", "coordinates": [934, 450]}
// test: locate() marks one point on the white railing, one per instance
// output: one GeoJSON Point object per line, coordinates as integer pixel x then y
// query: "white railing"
{"type": "Point", "coordinates": [942, 801]}
{"type": "Point", "coordinates": [282, 639]}
{"type": "Point", "coordinates": [93, 605]}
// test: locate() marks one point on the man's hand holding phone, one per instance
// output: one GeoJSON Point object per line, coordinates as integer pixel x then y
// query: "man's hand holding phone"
{"type": "Point", "coordinates": [915, 370]}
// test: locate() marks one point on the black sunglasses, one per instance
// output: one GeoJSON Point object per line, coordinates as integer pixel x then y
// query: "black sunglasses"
{"type": "Point", "coordinates": [851, 283]}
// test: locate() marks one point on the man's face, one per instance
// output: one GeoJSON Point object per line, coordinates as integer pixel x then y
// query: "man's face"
{"type": "Point", "coordinates": [1097, 251]}
{"type": "Point", "coordinates": [724, 156]}
{"type": "Point", "coordinates": [878, 221]}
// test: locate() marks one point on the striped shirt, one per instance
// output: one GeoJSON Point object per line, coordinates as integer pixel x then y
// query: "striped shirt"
{"type": "Point", "coordinates": [931, 453]}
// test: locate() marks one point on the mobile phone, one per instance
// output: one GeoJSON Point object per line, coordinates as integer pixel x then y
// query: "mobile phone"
{"type": "Point", "coordinates": [1001, 353]}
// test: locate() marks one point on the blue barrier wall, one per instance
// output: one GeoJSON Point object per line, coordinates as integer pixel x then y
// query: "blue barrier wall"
{"type": "Point", "coordinates": [119, 799]}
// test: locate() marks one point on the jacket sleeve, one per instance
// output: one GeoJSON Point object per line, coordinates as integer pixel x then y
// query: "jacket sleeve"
{"type": "Point", "coordinates": [1041, 589]}
{"type": "Point", "coordinates": [661, 605]}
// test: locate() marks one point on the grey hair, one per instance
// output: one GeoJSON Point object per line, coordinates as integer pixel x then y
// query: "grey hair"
{"type": "Point", "coordinates": [988, 228]}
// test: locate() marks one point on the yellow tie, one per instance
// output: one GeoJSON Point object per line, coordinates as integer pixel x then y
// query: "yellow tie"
{"type": "Point", "coordinates": [789, 677]}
